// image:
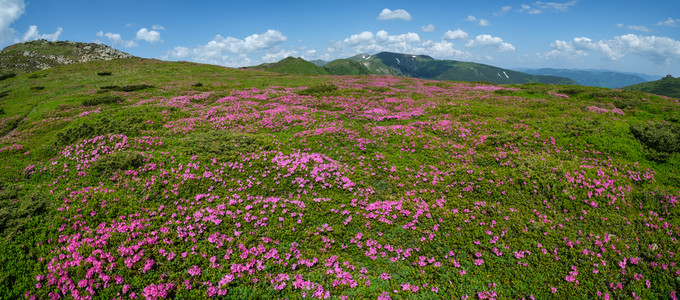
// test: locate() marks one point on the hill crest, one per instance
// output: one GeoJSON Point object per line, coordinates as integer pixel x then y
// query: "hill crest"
{"type": "Point", "coordinates": [42, 54]}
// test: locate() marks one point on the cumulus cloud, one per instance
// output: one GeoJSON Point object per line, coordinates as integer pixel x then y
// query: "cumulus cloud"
{"type": "Point", "coordinates": [427, 28]}
{"type": "Point", "coordinates": [33, 34]}
{"type": "Point", "coordinates": [398, 14]}
{"type": "Point", "coordinates": [10, 11]}
{"type": "Point", "coordinates": [670, 22]}
{"type": "Point", "coordinates": [455, 35]}
{"type": "Point", "coordinates": [660, 50]}
{"type": "Point", "coordinates": [231, 51]}
{"type": "Point", "coordinates": [540, 7]}
{"type": "Point", "coordinates": [157, 27]}
{"type": "Point", "coordinates": [480, 22]}
{"type": "Point", "coordinates": [117, 40]}
{"type": "Point", "coordinates": [150, 36]}
{"type": "Point", "coordinates": [368, 42]}
{"type": "Point", "coordinates": [485, 40]}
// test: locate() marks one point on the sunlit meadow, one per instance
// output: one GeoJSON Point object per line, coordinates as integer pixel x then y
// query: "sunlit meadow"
{"type": "Point", "coordinates": [206, 182]}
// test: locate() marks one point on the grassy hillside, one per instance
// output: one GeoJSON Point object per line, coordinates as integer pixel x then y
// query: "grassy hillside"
{"type": "Point", "coordinates": [41, 54]}
{"type": "Point", "coordinates": [606, 79]}
{"type": "Point", "coordinates": [292, 65]}
{"type": "Point", "coordinates": [189, 181]}
{"type": "Point", "coordinates": [667, 86]}
{"type": "Point", "coordinates": [346, 67]}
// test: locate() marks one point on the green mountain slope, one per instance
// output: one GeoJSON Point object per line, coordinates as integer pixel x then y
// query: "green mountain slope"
{"type": "Point", "coordinates": [667, 86]}
{"type": "Point", "coordinates": [423, 66]}
{"type": "Point", "coordinates": [292, 65]}
{"type": "Point", "coordinates": [608, 79]}
{"type": "Point", "coordinates": [41, 54]}
{"type": "Point", "coordinates": [346, 67]}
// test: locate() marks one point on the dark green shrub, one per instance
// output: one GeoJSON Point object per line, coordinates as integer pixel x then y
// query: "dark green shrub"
{"type": "Point", "coordinates": [122, 160]}
{"type": "Point", "coordinates": [319, 90]}
{"type": "Point", "coordinates": [4, 94]}
{"type": "Point", "coordinates": [37, 88]}
{"type": "Point", "coordinates": [104, 126]}
{"type": "Point", "coordinates": [127, 88]}
{"type": "Point", "coordinates": [226, 144]}
{"type": "Point", "coordinates": [662, 138]}
{"type": "Point", "coordinates": [17, 211]}
{"type": "Point", "coordinates": [198, 84]}
{"type": "Point", "coordinates": [103, 100]}
{"type": "Point", "coordinates": [379, 89]}
{"type": "Point", "coordinates": [104, 73]}
{"type": "Point", "coordinates": [7, 75]}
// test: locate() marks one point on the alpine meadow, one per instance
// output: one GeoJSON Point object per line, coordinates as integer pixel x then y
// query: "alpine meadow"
{"type": "Point", "coordinates": [139, 178]}
{"type": "Point", "coordinates": [339, 150]}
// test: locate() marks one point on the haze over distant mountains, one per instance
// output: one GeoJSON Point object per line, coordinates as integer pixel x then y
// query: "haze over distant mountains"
{"type": "Point", "coordinates": [599, 78]}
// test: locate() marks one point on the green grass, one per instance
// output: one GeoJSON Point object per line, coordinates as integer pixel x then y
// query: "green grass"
{"type": "Point", "coordinates": [305, 171]}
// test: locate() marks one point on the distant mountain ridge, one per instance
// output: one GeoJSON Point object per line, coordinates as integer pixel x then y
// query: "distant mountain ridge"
{"type": "Point", "coordinates": [408, 65]}
{"type": "Point", "coordinates": [667, 86]}
{"type": "Point", "coordinates": [42, 54]}
{"type": "Point", "coordinates": [598, 78]}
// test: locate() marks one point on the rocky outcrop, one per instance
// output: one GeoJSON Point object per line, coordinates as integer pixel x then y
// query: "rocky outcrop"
{"type": "Point", "coordinates": [41, 54]}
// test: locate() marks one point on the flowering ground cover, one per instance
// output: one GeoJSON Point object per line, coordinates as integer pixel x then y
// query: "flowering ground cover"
{"type": "Point", "coordinates": [232, 184]}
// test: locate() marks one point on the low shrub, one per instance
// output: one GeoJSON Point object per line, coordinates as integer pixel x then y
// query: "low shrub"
{"type": "Point", "coordinates": [103, 100]}
{"type": "Point", "coordinates": [662, 138]}
{"type": "Point", "coordinates": [37, 88]}
{"type": "Point", "coordinates": [16, 211]}
{"type": "Point", "coordinates": [4, 94]}
{"type": "Point", "coordinates": [104, 73]}
{"type": "Point", "coordinates": [198, 84]}
{"type": "Point", "coordinates": [126, 88]}
{"type": "Point", "coordinates": [7, 75]}
{"type": "Point", "coordinates": [102, 127]}
{"type": "Point", "coordinates": [122, 160]}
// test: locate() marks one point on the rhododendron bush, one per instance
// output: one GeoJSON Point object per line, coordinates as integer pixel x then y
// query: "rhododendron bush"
{"type": "Point", "coordinates": [385, 187]}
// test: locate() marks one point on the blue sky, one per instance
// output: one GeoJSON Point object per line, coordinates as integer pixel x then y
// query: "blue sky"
{"type": "Point", "coordinates": [630, 36]}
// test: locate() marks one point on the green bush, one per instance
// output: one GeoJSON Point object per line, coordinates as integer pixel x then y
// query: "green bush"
{"type": "Point", "coordinates": [38, 88]}
{"type": "Point", "coordinates": [7, 75]}
{"type": "Point", "coordinates": [319, 90]}
{"type": "Point", "coordinates": [104, 73]}
{"type": "Point", "coordinates": [103, 100]}
{"type": "Point", "coordinates": [102, 127]}
{"type": "Point", "coordinates": [122, 160]}
{"type": "Point", "coordinates": [126, 88]}
{"type": "Point", "coordinates": [16, 211]}
{"type": "Point", "coordinates": [662, 138]}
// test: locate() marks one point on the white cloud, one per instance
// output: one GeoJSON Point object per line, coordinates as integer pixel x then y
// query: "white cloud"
{"type": "Point", "coordinates": [411, 43]}
{"type": "Point", "coordinates": [670, 22]}
{"type": "Point", "coordinates": [117, 39]}
{"type": "Point", "coordinates": [480, 22]}
{"type": "Point", "coordinates": [660, 50]}
{"type": "Point", "coordinates": [157, 27]}
{"type": "Point", "coordinates": [231, 51]}
{"type": "Point", "coordinates": [427, 28]}
{"type": "Point", "coordinates": [150, 36]}
{"type": "Point", "coordinates": [274, 57]}
{"type": "Point", "coordinates": [455, 35]}
{"type": "Point", "coordinates": [540, 7]}
{"type": "Point", "coordinates": [504, 10]}
{"type": "Point", "coordinates": [634, 27]}
{"type": "Point", "coordinates": [485, 40]}
{"type": "Point", "coordinates": [398, 14]}
{"type": "Point", "coordinates": [33, 34]}
{"type": "Point", "coordinates": [10, 11]}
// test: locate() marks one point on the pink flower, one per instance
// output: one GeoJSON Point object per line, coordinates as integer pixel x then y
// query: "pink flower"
{"type": "Point", "coordinates": [385, 276]}
{"type": "Point", "coordinates": [194, 271]}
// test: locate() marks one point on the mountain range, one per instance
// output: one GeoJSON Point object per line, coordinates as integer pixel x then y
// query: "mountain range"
{"type": "Point", "coordinates": [598, 78]}
{"type": "Point", "coordinates": [418, 66]}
